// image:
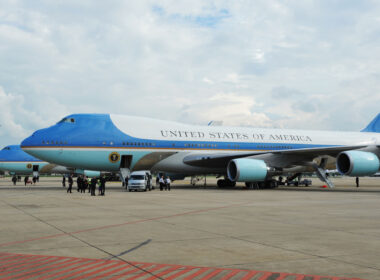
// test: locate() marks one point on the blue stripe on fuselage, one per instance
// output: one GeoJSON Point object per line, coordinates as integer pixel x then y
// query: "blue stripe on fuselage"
{"type": "Point", "coordinates": [98, 130]}
{"type": "Point", "coordinates": [14, 153]}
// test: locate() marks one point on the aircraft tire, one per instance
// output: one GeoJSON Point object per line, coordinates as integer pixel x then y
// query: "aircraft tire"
{"type": "Point", "coordinates": [221, 183]}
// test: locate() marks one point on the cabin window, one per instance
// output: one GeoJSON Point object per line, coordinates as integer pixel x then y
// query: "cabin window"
{"type": "Point", "coordinates": [67, 120]}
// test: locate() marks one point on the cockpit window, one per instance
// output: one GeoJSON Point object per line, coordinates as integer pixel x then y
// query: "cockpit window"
{"type": "Point", "coordinates": [67, 120]}
{"type": "Point", "coordinates": [7, 148]}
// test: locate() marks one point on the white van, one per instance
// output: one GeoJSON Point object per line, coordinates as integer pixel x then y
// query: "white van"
{"type": "Point", "coordinates": [140, 181]}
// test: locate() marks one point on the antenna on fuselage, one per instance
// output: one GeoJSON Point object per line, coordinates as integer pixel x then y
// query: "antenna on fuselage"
{"type": "Point", "coordinates": [215, 123]}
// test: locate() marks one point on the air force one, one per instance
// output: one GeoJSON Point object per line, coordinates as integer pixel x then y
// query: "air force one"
{"type": "Point", "coordinates": [123, 143]}
{"type": "Point", "coordinates": [14, 160]}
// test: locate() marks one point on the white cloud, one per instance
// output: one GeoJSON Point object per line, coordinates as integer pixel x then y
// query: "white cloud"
{"type": "Point", "coordinates": [301, 64]}
{"type": "Point", "coordinates": [230, 108]}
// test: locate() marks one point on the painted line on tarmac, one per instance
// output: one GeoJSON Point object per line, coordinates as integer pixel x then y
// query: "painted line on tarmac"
{"type": "Point", "coordinates": [123, 224]}
{"type": "Point", "coordinates": [54, 267]}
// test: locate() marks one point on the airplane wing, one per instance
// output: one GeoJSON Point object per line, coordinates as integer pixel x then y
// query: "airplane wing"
{"type": "Point", "coordinates": [284, 158]}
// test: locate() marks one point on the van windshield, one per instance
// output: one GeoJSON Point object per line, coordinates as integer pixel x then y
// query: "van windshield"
{"type": "Point", "coordinates": [137, 177]}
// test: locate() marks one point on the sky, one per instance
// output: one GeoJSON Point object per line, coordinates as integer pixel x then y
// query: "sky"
{"type": "Point", "coordinates": [280, 64]}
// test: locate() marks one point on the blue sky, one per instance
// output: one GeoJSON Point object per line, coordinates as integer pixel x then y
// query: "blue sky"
{"type": "Point", "coordinates": [283, 64]}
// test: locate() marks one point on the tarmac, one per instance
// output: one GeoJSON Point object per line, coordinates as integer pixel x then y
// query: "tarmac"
{"type": "Point", "coordinates": [191, 232]}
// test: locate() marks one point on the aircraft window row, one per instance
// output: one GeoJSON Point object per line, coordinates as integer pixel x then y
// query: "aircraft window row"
{"type": "Point", "coordinates": [200, 145]}
{"type": "Point", "coordinates": [232, 146]}
{"type": "Point", "coordinates": [138, 144]}
{"type": "Point", "coordinates": [54, 142]}
{"type": "Point", "coordinates": [284, 147]}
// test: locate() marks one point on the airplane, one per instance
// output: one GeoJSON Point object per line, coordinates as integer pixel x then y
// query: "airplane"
{"type": "Point", "coordinates": [14, 160]}
{"type": "Point", "coordinates": [239, 154]}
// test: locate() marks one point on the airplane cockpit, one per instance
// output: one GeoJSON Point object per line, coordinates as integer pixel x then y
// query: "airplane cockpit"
{"type": "Point", "coordinates": [66, 120]}
{"type": "Point", "coordinates": [11, 147]}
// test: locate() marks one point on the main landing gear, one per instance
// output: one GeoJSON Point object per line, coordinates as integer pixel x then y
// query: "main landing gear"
{"type": "Point", "coordinates": [223, 183]}
{"type": "Point", "coordinates": [269, 184]}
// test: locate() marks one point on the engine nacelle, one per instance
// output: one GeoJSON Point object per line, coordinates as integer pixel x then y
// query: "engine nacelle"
{"type": "Point", "coordinates": [88, 173]}
{"type": "Point", "coordinates": [247, 170]}
{"type": "Point", "coordinates": [357, 163]}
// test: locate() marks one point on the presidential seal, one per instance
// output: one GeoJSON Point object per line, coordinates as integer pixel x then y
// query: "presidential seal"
{"type": "Point", "coordinates": [114, 157]}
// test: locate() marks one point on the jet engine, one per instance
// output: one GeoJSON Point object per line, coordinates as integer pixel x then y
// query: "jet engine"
{"type": "Point", "coordinates": [247, 170]}
{"type": "Point", "coordinates": [88, 173]}
{"type": "Point", "coordinates": [357, 163]}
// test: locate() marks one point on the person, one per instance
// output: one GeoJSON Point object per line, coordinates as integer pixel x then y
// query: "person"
{"type": "Point", "coordinates": [126, 182]}
{"type": "Point", "coordinates": [71, 181]}
{"type": "Point", "coordinates": [167, 183]}
{"type": "Point", "coordinates": [157, 181]}
{"type": "Point", "coordinates": [93, 186]}
{"type": "Point", "coordinates": [102, 185]}
{"type": "Point", "coordinates": [26, 180]}
{"type": "Point", "coordinates": [14, 180]}
{"type": "Point", "coordinates": [162, 183]}
{"type": "Point", "coordinates": [19, 178]}
{"type": "Point", "coordinates": [34, 180]}
{"type": "Point", "coordinates": [357, 182]}
{"type": "Point", "coordinates": [84, 184]}
{"type": "Point", "coordinates": [79, 183]}
{"type": "Point", "coordinates": [64, 181]}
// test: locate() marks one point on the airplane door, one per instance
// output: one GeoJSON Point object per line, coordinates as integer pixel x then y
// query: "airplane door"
{"type": "Point", "coordinates": [125, 166]}
{"type": "Point", "coordinates": [35, 170]}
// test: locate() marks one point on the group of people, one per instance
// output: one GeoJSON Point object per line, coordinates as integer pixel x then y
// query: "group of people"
{"type": "Point", "coordinates": [27, 180]}
{"type": "Point", "coordinates": [83, 183]}
{"type": "Point", "coordinates": [164, 183]}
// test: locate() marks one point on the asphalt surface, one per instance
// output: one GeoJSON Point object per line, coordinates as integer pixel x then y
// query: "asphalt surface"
{"type": "Point", "coordinates": [286, 233]}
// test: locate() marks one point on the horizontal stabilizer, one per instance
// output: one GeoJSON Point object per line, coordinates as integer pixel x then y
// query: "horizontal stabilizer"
{"type": "Point", "coordinates": [374, 125]}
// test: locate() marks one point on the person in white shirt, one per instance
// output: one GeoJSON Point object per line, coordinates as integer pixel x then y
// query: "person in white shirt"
{"type": "Point", "coordinates": [162, 183]}
{"type": "Point", "coordinates": [167, 183]}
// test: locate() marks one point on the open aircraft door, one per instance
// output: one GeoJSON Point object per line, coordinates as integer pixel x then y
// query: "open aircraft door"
{"type": "Point", "coordinates": [35, 170]}
{"type": "Point", "coordinates": [125, 166]}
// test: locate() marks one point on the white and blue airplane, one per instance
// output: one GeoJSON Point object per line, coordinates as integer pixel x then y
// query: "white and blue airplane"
{"type": "Point", "coordinates": [240, 154]}
{"type": "Point", "coordinates": [14, 160]}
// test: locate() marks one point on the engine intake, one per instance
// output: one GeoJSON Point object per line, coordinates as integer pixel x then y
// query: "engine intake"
{"type": "Point", "coordinates": [357, 163]}
{"type": "Point", "coordinates": [247, 170]}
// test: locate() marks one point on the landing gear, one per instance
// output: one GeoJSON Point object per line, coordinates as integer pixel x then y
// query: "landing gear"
{"type": "Point", "coordinates": [252, 185]}
{"type": "Point", "coordinates": [269, 184]}
{"type": "Point", "coordinates": [222, 183]}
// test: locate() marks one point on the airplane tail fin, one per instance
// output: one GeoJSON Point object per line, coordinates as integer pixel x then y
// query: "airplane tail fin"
{"type": "Point", "coordinates": [374, 125]}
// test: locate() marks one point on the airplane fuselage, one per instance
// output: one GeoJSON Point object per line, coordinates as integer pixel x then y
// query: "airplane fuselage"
{"type": "Point", "coordinates": [98, 142]}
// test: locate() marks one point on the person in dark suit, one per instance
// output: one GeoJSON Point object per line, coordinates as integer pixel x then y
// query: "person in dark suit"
{"type": "Point", "coordinates": [93, 186]}
{"type": "Point", "coordinates": [26, 180]}
{"type": "Point", "coordinates": [79, 183]}
{"type": "Point", "coordinates": [71, 181]}
{"type": "Point", "coordinates": [14, 180]}
{"type": "Point", "coordinates": [102, 185]}
{"type": "Point", "coordinates": [357, 182]}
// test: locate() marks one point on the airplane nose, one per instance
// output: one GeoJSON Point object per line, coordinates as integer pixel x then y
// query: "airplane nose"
{"type": "Point", "coordinates": [34, 140]}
